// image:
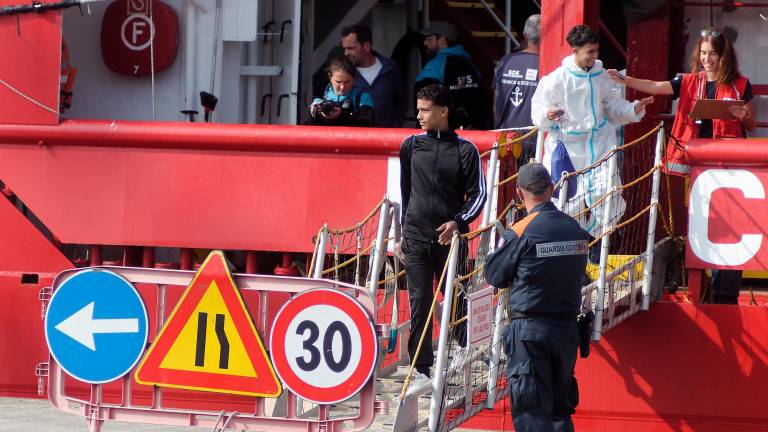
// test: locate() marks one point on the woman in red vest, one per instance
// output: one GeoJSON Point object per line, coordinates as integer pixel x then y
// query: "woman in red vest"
{"type": "Point", "coordinates": [714, 75]}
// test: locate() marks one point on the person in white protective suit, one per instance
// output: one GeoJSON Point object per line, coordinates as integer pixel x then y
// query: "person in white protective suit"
{"type": "Point", "coordinates": [579, 105]}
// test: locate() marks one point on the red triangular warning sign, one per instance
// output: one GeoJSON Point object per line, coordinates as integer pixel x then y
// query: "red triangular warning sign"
{"type": "Point", "coordinates": [209, 341]}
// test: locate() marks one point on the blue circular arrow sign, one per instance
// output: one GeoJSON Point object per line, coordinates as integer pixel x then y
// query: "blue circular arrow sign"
{"type": "Point", "coordinates": [96, 326]}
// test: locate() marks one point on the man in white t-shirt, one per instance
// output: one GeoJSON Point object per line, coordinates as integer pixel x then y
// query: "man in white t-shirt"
{"type": "Point", "coordinates": [376, 75]}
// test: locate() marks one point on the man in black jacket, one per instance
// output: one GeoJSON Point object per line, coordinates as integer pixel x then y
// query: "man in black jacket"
{"type": "Point", "coordinates": [443, 191]}
{"type": "Point", "coordinates": [541, 262]}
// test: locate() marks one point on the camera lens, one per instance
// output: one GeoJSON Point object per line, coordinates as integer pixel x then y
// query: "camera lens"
{"type": "Point", "coordinates": [327, 108]}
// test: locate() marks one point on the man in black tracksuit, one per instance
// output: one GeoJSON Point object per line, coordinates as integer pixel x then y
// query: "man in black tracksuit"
{"type": "Point", "coordinates": [443, 191]}
{"type": "Point", "coordinates": [542, 261]}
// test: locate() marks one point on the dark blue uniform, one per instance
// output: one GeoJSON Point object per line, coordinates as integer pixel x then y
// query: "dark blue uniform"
{"type": "Point", "coordinates": [542, 261]}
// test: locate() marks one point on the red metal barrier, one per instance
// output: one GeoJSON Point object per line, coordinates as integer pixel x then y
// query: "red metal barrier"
{"type": "Point", "coordinates": [28, 263]}
{"type": "Point", "coordinates": [221, 137]}
{"type": "Point", "coordinates": [234, 187]}
{"type": "Point", "coordinates": [721, 152]}
{"type": "Point", "coordinates": [678, 367]}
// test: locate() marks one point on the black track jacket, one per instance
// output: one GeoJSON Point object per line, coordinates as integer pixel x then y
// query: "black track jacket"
{"type": "Point", "coordinates": [441, 180]}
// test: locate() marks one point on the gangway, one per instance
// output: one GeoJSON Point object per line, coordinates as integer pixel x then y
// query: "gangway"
{"type": "Point", "coordinates": [621, 284]}
{"type": "Point", "coordinates": [357, 262]}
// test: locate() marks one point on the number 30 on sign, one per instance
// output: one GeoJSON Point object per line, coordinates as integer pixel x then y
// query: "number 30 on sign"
{"type": "Point", "coordinates": [323, 346]}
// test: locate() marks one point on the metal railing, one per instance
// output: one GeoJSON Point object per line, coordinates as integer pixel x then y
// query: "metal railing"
{"type": "Point", "coordinates": [624, 286]}
{"type": "Point", "coordinates": [286, 413]}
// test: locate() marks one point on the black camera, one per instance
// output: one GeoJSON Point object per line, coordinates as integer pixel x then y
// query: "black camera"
{"type": "Point", "coordinates": [328, 107]}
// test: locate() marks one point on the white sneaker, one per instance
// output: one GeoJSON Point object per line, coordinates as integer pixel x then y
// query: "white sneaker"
{"type": "Point", "coordinates": [418, 380]}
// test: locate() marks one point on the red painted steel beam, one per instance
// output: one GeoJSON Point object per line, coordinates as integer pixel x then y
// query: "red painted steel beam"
{"type": "Point", "coordinates": [239, 187]}
{"type": "Point", "coordinates": [28, 262]}
{"type": "Point", "coordinates": [221, 137]}
{"type": "Point", "coordinates": [557, 18]}
{"type": "Point", "coordinates": [647, 57]}
{"type": "Point", "coordinates": [738, 152]}
{"type": "Point", "coordinates": [30, 64]}
{"type": "Point", "coordinates": [612, 39]}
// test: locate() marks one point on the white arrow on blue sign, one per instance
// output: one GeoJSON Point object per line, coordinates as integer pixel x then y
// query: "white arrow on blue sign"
{"type": "Point", "coordinates": [96, 326]}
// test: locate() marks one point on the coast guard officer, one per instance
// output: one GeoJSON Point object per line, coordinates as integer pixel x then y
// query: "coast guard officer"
{"type": "Point", "coordinates": [541, 261]}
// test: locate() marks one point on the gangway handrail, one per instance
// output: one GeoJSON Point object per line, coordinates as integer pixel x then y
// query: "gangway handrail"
{"type": "Point", "coordinates": [615, 288]}
{"type": "Point", "coordinates": [732, 152]}
{"type": "Point", "coordinates": [223, 137]}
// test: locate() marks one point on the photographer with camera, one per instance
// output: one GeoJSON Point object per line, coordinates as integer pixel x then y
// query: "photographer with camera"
{"type": "Point", "coordinates": [342, 104]}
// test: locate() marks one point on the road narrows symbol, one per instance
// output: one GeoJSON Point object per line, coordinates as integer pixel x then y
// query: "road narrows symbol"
{"type": "Point", "coordinates": [209, 341]}
{"type": "Point", "coordinates": [202, 324]}
{"type": "Point", "coordinates": [223, 343]}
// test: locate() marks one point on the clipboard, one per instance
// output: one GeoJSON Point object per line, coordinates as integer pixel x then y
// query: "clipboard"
{"type": "Point", "coordinates": [714, 109]}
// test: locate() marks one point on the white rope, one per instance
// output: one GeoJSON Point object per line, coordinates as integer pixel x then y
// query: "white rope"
{"type": "Point", "coordinates": [29, 98]}
{"type": "Point", "coordinates": [152, 58]}
{"type": "Point", "coordinates": [216, 38]}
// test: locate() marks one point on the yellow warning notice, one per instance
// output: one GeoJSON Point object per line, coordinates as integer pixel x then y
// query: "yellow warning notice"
{"type": "Point", "coordinates": [201, 347]}
{"type": "Point", "coordinates": [209, 341]}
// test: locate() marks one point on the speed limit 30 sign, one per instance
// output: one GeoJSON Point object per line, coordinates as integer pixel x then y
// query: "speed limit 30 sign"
{"type": "Point", "coordinates": [323, 346]}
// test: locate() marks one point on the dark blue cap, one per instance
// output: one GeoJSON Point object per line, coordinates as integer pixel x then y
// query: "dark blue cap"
{"type": "Point", "coordinates": [534, 178]}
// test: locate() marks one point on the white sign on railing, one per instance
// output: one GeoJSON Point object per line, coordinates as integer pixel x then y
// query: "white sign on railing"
{"type": "Point", "coordinates": [480, 307]}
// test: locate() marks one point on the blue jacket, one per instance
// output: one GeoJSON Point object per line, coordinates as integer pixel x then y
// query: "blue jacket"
{"type": "Point", "coordinates": [435, 68]}
{"type": "Point", "coordinates": [542, 260]}
{"type": "Point", "coordinates": [387, 91]}
{"type": "Point", "coordinates": [356, 94]}
{"type": "Point", "coordinates": [359, 109]}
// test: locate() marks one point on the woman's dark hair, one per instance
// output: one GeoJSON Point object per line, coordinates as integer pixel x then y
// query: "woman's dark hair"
{"type": "Point", "coordinates": [342, 64]}
{"type": "Point", "coordinates": [581, 35]}
{"type": "Point", "coordinates": [728, 67]}
{"type": "Point", "coordinates": [436, 94]}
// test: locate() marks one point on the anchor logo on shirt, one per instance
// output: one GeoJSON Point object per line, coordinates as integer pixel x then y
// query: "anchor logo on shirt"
{"type": "Point", "coordinates": [516, 101]}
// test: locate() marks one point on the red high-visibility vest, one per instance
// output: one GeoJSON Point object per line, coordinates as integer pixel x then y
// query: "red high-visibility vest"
{"type": "Point", "coordinates": [694, 87]}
